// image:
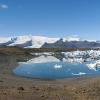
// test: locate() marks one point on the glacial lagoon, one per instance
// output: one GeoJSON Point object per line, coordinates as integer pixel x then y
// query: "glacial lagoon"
{"type": "Point", "coordinates": [57, 66]}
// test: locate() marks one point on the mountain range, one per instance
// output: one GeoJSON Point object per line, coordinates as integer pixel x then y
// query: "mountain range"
{"type": "Point", "coordinates": [29, 41]}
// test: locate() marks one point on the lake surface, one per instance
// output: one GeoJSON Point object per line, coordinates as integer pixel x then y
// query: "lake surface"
{"type": "Point", "coordinates": [55, 67]}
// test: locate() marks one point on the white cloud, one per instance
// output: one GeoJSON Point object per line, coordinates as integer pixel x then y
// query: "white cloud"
{"type": "Point", "coordinates": [3, 6]}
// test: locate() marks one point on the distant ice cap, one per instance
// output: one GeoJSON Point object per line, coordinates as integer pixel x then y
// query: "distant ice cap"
{"type": "Point", "coordinates": [71, 38]}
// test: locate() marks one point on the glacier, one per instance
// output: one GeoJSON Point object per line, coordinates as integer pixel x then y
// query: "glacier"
{"type": "Point", "coordinates": [30, 41]}
{"type": "Point", "coordinates": [37, 41]}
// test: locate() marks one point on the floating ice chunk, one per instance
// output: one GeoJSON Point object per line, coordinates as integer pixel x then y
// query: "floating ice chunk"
{"type": "Point", "coordinates": [93, 54]}
{"type": "Point", "coordinates": [80, 73]}
{"type": "Point", "coordinates": [98, 62]}
{"type": "Point", "coordinates": [57, 66]}
{"type": "Point", "coordinates": [73, 60]}
{"type": "Point", "coordinates": [92, 66]}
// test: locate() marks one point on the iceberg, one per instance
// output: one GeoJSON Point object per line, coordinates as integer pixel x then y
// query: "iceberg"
{"type": "Point", "coordinates": [80, 73]}
{"type": "Point", "coordinates": [57, 66]}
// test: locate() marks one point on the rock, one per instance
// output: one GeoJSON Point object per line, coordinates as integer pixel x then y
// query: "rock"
{"type": "Point", "coordinates": [20, 88]}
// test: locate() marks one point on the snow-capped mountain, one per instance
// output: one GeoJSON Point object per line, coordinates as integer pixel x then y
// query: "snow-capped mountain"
{"type": "Point", "coordinates": [72, 44]}
{"type": "Point", "coordinates": [29, 41]}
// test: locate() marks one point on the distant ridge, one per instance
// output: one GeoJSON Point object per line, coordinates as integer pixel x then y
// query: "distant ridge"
{"type": "Point", "coordinates": [29, 41]}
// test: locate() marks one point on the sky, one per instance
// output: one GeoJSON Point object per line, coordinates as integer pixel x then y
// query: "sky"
{"type": "Point", "coordinates": [52, 18]}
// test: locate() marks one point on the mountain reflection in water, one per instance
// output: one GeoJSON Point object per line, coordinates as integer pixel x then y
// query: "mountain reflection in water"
{"type": "Point", "coordinates": [50, 65]}
{"type": "Point", "coordinates": [55, 66]}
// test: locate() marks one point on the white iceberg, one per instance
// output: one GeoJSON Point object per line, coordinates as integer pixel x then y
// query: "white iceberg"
{"type": "Point", "coordinates": [80, 73]}
{"type": "Point", "coordinates": [57, 66]}
{"type": "Point", "coordinates": [92, 66]}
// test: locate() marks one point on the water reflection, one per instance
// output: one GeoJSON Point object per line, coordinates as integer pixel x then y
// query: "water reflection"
{"type": "Point", "coordinates": [50, 65]}
{"type": "Point", "coordinates": [56, 65]}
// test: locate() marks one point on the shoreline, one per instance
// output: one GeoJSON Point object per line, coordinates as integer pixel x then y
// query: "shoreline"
{"type": "Point", "coordinates": [14, 50]}
{"type": "Point", "coordinates": [19, 88]}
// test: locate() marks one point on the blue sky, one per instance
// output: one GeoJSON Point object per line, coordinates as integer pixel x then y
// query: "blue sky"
{"type": "Point", "coordinates": [53, 18]}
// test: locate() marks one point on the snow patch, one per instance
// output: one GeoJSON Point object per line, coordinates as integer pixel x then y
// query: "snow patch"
{"type": "Point", "coordinates": [4, 39]}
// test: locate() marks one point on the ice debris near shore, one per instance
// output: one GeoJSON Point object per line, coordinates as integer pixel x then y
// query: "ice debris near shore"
{"type": "Point", "coordinates": [82, 56]}
{"type": "Point", "coordinates": [68, 57]}
{"type": "Point", "coordinates": [90, 59]}
{"type": "Point", "coordinates": [75, 56]}
{"type": "Point", "coordinates": [93, 66]}
{"type": "Point", "coordinates": [93, 54]}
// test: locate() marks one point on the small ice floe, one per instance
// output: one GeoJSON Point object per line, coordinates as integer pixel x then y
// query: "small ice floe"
{"type": "Point", "coordinates": [80, 73]}
{"type": "Point", "coordinates": [98, 62]}
{"type": "Point", "coordinates": [74, 60]}
{"type": "Point", "coordinates": [92, 66]}
{"type": "Point", "coordinates": [57, 66]}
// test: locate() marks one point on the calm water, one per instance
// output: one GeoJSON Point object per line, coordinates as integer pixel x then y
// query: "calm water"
{"type": "Point", "coordinates": [50, 67]}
